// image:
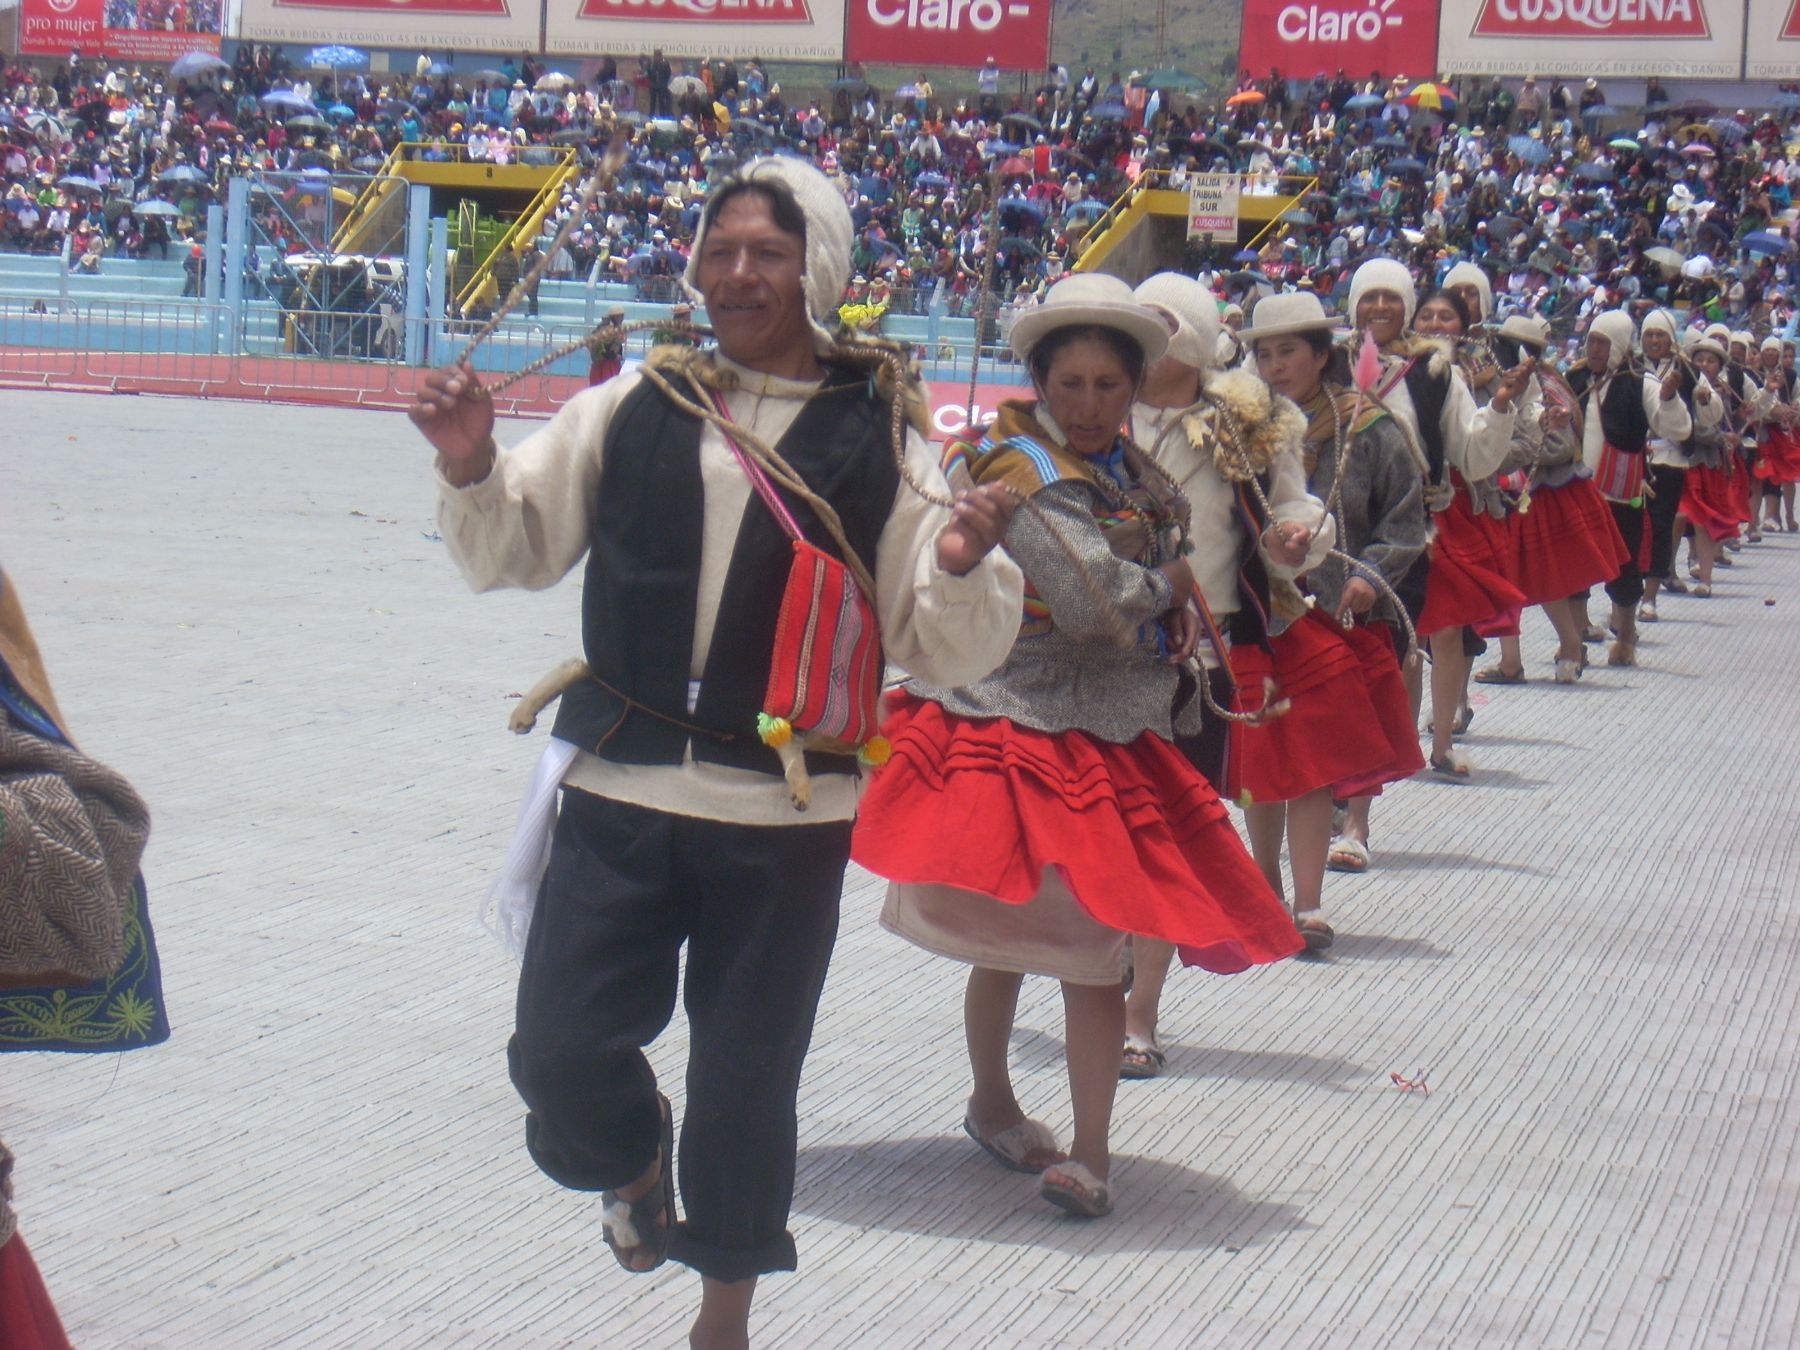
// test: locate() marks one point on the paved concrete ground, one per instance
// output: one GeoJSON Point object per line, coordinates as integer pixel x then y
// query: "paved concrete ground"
{"type": "Point", "coordinates": [1590, 956]}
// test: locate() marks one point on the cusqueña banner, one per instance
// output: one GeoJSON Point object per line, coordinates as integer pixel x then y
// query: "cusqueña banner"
{"type": "Point", "coordinates": [1592, 37]}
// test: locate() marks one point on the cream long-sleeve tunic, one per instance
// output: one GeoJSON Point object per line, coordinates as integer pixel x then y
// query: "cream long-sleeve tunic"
{"type": "Point", "coordinates": [1475, 439]}
{"type": "Point", "coordinates": [527, 524]}
{"type": "Point", "coordinates": [1668, 417]}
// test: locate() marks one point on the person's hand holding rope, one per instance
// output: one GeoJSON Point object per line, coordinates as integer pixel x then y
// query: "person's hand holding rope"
{"type": "Point", "coordinates": [1286, 543]}
{"type": "Point", "coordinates": [978, 522]}
{"type": "Point", "coordinates": [456, 415]}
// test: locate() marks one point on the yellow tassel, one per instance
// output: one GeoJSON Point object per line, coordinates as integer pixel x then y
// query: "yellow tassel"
{"type": "Point", "coordinates": [876, 751]}
{"type": "Point", "coordinates": [1245, 800]}
{"type": "Point", "coordinates": [775, 731]}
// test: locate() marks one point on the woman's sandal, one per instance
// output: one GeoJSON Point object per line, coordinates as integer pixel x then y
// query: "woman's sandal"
{"type": "Point", "coordinates": [1453, 766]}
{"type": "Point", "coordinates": [646, 1223]}
{"type": "Point", "coordinates": [1013, 1148]}
{"type": "Point", "coordinates": [1498, 674]}
{"type": "Point", "coordinates": [1141, 1058]}
{"type": "Point", "coordinates": [1080, 1192]}
{"type": "Point", "coordinates": [1315, 931]}
{"type": "Point", "coordinates": [1348, 855]}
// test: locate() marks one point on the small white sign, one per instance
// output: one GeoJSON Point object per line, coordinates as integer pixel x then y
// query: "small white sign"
{"type": "Point", "coordinates": [1212, 205]}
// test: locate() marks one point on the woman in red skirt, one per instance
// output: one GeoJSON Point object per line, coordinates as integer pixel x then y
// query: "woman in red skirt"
{"type": "Point", "coordinates": [1564, 540]}
{"type": "Point", "coordinates": [1348, 729]}
{"type": "Point", "coordinates": [1779, 465]}
{"type": "Point", "coordinates": [1709, 498]}
{"type": "Point", "coordinates": [1032, 820]}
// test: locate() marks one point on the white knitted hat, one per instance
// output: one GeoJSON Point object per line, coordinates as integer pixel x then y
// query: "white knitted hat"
{"type": "Point", "coordinates": [828, 233]}
{"type": "Point", "coordinates": [1468, 274]}
{"type": "Point", "coordinates": [1384, 274]}
{"type": "Point", "coordinates": [1661, 320]}
{"type": "Point", "coordinates": [1196, 340]}
{"type": "Point", "coordinates": [1616, 327]}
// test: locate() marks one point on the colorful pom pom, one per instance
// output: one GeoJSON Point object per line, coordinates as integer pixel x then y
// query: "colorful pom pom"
{"type": "Point", "coordinates": [775, 731]}
{"type": "Point", "coordinates": [1245, 800]}
{"type": "Point", "coordinates": [876, 752]}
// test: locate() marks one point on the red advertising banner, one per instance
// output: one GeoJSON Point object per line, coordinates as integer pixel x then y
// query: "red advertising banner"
{"type": "Point", "coordinates": [1303, 38]}
{"type": "Point", "coordinates": [132, 30]}
{"type": "Point", "coordinates": [1772, 48]}
{"type": "Point", "coordinates": [1016, 33]}
{"type": "Point", "coordinates": [1593, 37]}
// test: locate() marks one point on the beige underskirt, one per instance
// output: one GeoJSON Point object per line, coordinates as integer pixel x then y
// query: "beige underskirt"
{"type": "Point", "coordinates": [1049, 935]}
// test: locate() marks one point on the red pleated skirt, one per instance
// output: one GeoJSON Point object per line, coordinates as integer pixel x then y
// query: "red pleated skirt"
{"type": "Point", "coordinates": [1138, 836]}
{"type": "Point", "coordinates": [1470, 576]}
{"type": "Point", "coordinates": [1565, 542]}
{"type": "Point", "coordinates": [1374, 646]}
{"type": "Point", "coordinates": [1331, 731]}
{"type": "Point", "coordinates": [1710, 500]}
{"type": "Point", "coordinates": [1780, 462]}
{"type": "Point", "coordinates": [28, 1319]}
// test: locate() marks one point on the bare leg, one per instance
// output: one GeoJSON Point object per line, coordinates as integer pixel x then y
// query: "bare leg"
{"type": "Point", "coordinates": [1787, 503]}
{"type": "Point", "coordinates": [1093, 1040]}
{"type": "Point", "coordinates": [1309, 836]}
{"type": "Point", "coordinates": [724, 1320]}
{"type": "Point", "coordinates": [1565, 617]}
{"type": "Point", "coordinates": [1512, 653]}
{"type": "Point", "coordinates": [1447, 666]}
{"type": "Point", "coordinates": [1263, 822]}
{"type": "Point", "coordinates": [1150, 971]}
{"type": "Point", "coordinates": [1356, 820]}
{"type": "Point", "coordinates": [1708, 549]}
{"type": "Point", "coordinates": [989, 1005]}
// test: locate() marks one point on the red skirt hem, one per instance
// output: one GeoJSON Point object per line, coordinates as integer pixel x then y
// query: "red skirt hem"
{"type": "Point", "coordinates": [1329, 734]}
{"type": "Point", "coordinates": [1709, 500]}
{"type": "Point", "coordinates": [1469, 577]}
{"type": "Point", "coordinates": [1566, 542]}
{"type": "Point", "coordinates": [1141, 839]}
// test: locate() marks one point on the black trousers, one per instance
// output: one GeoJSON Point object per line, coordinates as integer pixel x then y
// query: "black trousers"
{"type": "Point", "coordinates": [1628, 587]}
{"type": "Point", "coordinates": [1666, 482]}
{"type": "Point", "coordinates": [757, 907]}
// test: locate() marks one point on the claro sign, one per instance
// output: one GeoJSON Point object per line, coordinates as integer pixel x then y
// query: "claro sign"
{"type": "Point", "coordinates": [1016, 33]}
{"type": "Point", "coordinates": [1593, 37]}
{"type": "Point", "coordinates": [1303, 38]}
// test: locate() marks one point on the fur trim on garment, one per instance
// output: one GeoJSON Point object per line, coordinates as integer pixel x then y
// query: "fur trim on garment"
{"type": "Point", "coordinates": [1263, 424]}
{"type": "Point", "coordinates": [1384, 274]}
{"type": "Point", "coordinates": [828, 236]}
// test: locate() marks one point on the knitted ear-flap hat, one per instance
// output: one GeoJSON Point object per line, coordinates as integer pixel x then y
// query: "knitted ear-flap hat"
{"type": "Point", "coordinates": [1468, 274]}
{"type": "Point", "coordinates": [828, 235]}
{"type": "Point", "coordinates": [1196, 339]}
{"type": "Point", "coordinates": [1384, 274]}
{"type": "Point", "coordinates": [1617, 328]}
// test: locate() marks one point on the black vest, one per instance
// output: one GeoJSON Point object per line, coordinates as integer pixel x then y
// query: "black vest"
{"type": "Point", "coordinates": [1249, 625]}
{"type": "Point", "coordinates": [1430, 390]}
{"type": "Point", "coordinates": [643, 576]}
{"type": "Point", "coordinates": [1623, 421]}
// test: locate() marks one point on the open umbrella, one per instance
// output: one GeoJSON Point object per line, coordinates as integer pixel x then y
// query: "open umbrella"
{"type": "Point", "coordinates": [1017, 209]}
{"type": "Point", "coordinates": [1504, 227]}
{"type": "Point", "coordinates": [286, 100]}
{"type": "Point", "coordinates": [368, 163]}
{"type": "Point", "coordinates": [907, 91]}
{"type": "Point", "coordinates": [341, 112]}
{"type": "Point", "coordinates": [1013, 166]}
{"type": "Point", "coordinates": [492, 77]}
{"type": "Point", "coordinates": [220, 126]}
{"type": "Point", "coordinates": [1086, 209]}
{"type": "Point", "coordinates": [1247, 96]}
{"type": "Point", "coordinates": [1698, 267]}
{"type": "Point", "coordinates": [1594, 172]}
{"type": "Point", "coordinates": [1296, 216]}
{"type": "Point", "coordinates": [1389, 143]}
{"type": "Point", "coordinates": [1768, 242]}
{"type": "Point", "coordinates": [1624, 143]}
{"type": "Point", "coordinates": [1432, 97]}
{"type": "Point", "coordinates": [1690, 109]}
{"type": "Point", "coordinates": [1364, 103]}
{"type": "Point", "coordinates": [1698, 150]}
{"type": "Point", "coordinates": [1025, 120]}
{"type": "Point", "coordinates": [683, 85]}
{"type": "Point", "coordinates": [1108, 112]}
{"type": "Point", "coordinates": [75, 182]}
{"type": "Point", "coordinates": [1600, 110]}
{"type": "Point", "coordinates": [1528, 148]}
{"type": "Point", "coordinates": [1245, 255]}
{"type": "Point", "coordinates": [554, 82]}
{"type": "Point", "coordinates": [1173, 79]}
{"type": "Point", "coordinates": [190, 64]}
{"type": "Point", "coordinates": [847, 86]}
{"type": "Point", "coordinates": [154, 207]}
{"type": "Point", "coordinates": [438, 69]}
{"type": "Point", "coordinates": [1404, 167]}
{"type": "Point", "coordinates": [181, 173]}
{"type": "Point", "coordinates": [1730, 130]}
{"type": "Point", "coordinates": [336, 56]}
{"type": "Point", "coordinates": [1013, 244]}
{"type": "Point", "coordinates": [935, 181]}
{"type": "Point", "coordinates": [308, 122]}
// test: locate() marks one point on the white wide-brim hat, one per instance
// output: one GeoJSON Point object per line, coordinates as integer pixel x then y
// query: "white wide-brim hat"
{"type": "Point", "coordinates": [1091, 298]}
{"type": "Point", "coordinates": [1288, 312]}
{"type": "Point", "coordinates": [1528, 329]}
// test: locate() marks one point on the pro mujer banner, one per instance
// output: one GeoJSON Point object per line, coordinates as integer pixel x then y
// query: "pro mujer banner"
{"type": "Point", "coordinates": [1592, 37]}
{"type": "Point", "coordinates": [770, 29]}
{"type": "Point", "coordinates": [146, 30]}
{"type": "Point", "coordinates": [476, 25]}
{"type": "Point", "coordinates": [1773, 49]}
{"type": "Point", "coordinates": [1303, 38]}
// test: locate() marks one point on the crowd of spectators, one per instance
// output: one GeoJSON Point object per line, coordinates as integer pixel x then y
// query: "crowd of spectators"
{"type": "Point", "coordinates": [1572, 205]}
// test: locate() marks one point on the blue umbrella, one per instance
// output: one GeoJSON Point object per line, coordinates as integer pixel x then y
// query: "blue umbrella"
{"type": "Point", "coordinates": [931, 180]}
{"type": "Point", "coordinates": [341, 112]}
{"type": "Point", "coordinates": [288, 100]}
{"type": "Point", "coordinates": [1767, 241]}
{"type": "Point", "coordinates": [336, 56]}
{"type": "Point", "coordinates": [1245, 255]}
{"type": "Point", "coordinates": [181, 173]}
{"type": "Point", "coordinates": [1787, 98]}
{"type": "Point", "coordinates": [1389, 143]}
{"type": "Point", "coordinates": [995, 148]}
{"type": "Point", "coordinates": [1365, 102]}
{"type": "Point", "coordinates": [191, 64]}
{"type": "Point", "coordinates": [1108, 112]}
{"type": "Point", "coordinates": [1528, 148]}
{"type": "Point", "coordinates": [1594, 172]}
{"type": "Point", "coordinates": [1405, 166]}
{"type": "Point", "coordinates": [153, 207]}
{"type": "Point", "coordinates": [1014, 208]}
{"type": "Point", "coordinates": [439, 68]}
{"type": "Point", "coordinates": [1087, 208]}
